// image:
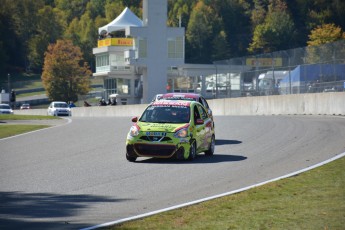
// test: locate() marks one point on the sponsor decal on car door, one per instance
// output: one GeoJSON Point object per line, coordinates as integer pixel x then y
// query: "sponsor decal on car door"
{"type": "Point", "coordinates": [200, 129]}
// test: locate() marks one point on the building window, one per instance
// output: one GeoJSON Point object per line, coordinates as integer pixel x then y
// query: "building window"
{"type": "Point", "coordinates": [117, 60]}
{"type": "Point", "coordinates": [123, 86]}
{"type": "Point", "coordinates": [102, 60]}
{"type": "Point", "coordinates": [142, 48]}
{"type": "Point", "coordinates": [110, 86]}
{"type": "Point", "coordinates": [175, 47]}
{"type": "Point", "coordinates": [117, 85]}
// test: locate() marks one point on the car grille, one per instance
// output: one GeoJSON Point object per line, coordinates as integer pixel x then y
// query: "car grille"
{"type": "Point", "coordinates": [153, 138]}
{"type": "Point", "coordinates": [63, 114]}
{"type": "Point", "coordinates": [155, 150]}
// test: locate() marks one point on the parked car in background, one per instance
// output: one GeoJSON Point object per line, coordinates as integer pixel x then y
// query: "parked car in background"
{"type": "Point", "coordinates": [59, 108]}
{"type": "Point", "coordinates": [5, 109]}
{"type": "Point", "coordinates": [171, 129]}
{"type": "Point", "coordinates": [189, 97]}
{"type": "Point", "coordinates": [25, 106]}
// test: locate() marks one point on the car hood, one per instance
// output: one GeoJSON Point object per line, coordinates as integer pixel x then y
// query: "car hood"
{"type": "Point", "coordinates": [160, 127]}
{"type": "Point", "coordinates": [62, 109]}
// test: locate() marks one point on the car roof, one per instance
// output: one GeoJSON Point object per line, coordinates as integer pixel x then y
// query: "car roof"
{"type": "Point", "coordinates": [182, 95]}
{"type": "Point", "coordinates": [172, 103]}
{"type": "Point", "coordinates": [59, 102]}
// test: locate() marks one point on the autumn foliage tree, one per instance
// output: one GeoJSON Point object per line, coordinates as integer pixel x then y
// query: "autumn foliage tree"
{"type": "Point", "coordinates": [65, 74]}
{"type": "Point", "coordinates": [318, 50]}
{"type": "Point", "coordinates": [325, 33]}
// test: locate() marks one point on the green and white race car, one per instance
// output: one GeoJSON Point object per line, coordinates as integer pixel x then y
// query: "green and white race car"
{"type": "Point", "coordinates": [171, 129]}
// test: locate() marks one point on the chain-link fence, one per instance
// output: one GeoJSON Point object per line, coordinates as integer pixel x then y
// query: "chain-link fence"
{"type": "Point", "coordinates": [309, 69]}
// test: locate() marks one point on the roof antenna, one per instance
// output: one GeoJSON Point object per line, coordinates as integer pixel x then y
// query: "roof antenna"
{"type": "Point", "coordinates": [179, 21]}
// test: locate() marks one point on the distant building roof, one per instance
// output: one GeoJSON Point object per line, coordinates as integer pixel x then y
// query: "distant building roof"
{"type": "Point", "coordinates": [126, 19]}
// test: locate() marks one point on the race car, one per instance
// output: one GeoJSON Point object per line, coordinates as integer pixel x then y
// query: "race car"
{"type": "Point", "coordinates": [171, 129]}
{"type": "Point", "coordinates": [189, 97]}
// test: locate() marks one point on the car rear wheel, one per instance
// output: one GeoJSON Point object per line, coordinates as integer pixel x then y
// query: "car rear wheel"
{"type": "Point", "coordinates": [192, 152]}
{"type": "Point", "coordinates": [129, 158]}
{"type": "Point", "coordinates": [211, 148]}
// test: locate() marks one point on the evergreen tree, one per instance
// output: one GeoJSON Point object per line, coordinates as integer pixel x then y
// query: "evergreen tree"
{"type": "Point", "coordinates": [199, 34]}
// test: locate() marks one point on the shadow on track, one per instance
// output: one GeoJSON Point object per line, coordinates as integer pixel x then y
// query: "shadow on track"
{"type": "Point", "coordinates": [200, 159]}
{"type": "Point", "coordinates": [227, 142]}
{"type": "Point", "coordinates": [18, 208]}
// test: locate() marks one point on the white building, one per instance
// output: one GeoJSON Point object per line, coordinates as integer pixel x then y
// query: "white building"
{"type": "Point", "coordinates": [149, 58]}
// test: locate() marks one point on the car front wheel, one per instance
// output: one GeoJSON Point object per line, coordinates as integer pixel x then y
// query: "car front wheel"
{"type": "Point", "coordinates": [192, 152]}
{"type": "Point", "coordinates": [211, 148]}
{"type": "Point", "coordinates": [129, 158]}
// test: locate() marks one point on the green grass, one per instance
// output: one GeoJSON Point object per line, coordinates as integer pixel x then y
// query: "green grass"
{"type": "Point", "coordinates": [11, 130]}
{"type": "Point", "coordinates": [26, 117]}
{"type": "Point", "coordinates": [7, 130]}
{"type": "Point", "coordinates": [31, 94]}
{"type": "Point", "coordinates": [312, 200]}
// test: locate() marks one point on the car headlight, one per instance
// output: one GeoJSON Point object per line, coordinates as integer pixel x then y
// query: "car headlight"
{"type": "Point", "coordinates": [182, 133]}
{"type": "Point", "coordinates": [134, 131]}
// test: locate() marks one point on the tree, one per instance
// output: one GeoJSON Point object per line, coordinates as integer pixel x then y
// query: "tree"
{"type": "Point", "coordinates": [317, 51]}
{"type": "Point", "coordinates": [83, 33]}
{"type": "Point", "coordinates": [276, 32]}
{"type": "Point", "coordinates": [324, 34]}
{"type": "Point", "coordinates": [220, 47]}
{"type": "Point", "coordinates": [199, 33]}
{"type": "Point", "coordinates": [65, 74]}
{"type": "Point", "coordinates": [179, 10]}
{"type": "Point", "coordinates": [48, 31]}
{"type": "Point", "coordinates": [235, 23]}
{"type": "Point", "coordinates": [17, 25]}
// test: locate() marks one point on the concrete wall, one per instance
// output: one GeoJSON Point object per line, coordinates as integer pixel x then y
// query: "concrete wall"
{"type": "Point", "coordinates": [332, 103]}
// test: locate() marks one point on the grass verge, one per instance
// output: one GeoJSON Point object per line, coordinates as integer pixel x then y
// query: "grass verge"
{"type": "Point", "coordinates": [15, 129]}
{"type": "Point", "coordinates": [312, 200]}
{"type": "Point", "coordinates": [11, 130]}
{"type": "Point", "coordinates": [26, 117]}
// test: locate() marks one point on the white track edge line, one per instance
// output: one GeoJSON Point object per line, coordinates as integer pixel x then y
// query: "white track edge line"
{"type": "Point", "coordinates": [215, 196]}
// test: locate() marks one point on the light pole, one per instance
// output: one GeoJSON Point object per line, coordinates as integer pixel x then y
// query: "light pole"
{"type": "Point", "coordinates": [9, 82]}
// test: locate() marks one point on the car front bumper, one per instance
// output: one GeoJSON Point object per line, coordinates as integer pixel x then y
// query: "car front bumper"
{"type": "Point", "coordinates": [179, 149]}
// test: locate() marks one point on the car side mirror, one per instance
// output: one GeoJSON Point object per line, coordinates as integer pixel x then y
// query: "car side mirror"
{"type": "Point", "coordinates": [134, 119]}
{"type": "Point", "coordinates": [199, 121]}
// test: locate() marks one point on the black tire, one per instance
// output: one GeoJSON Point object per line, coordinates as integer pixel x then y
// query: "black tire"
{"type": "Point", "coordinates": [211, 148]}
{"type": "Point", "coordinates": [192, 151]}
{"type": "Point", "coordinates": [131, 159]}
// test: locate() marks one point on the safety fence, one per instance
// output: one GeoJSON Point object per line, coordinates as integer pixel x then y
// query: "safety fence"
{"type": "Point", "coordinates": [311, 69]}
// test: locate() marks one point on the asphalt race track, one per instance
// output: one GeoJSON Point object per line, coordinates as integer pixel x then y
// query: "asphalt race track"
{"type": "Point", "coordinates": [76, 175]}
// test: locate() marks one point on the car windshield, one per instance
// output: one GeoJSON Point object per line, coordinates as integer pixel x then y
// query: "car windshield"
{"type": "Point", "coordinates": [60, 105]}
{"type": "Point", "coordinates": [5, 107]}
{"type": "Point", "coordinates": [166, 114]}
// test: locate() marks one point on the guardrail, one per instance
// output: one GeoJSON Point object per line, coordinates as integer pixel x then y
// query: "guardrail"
{"type": "Point", "coordinates": [330, 103]}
